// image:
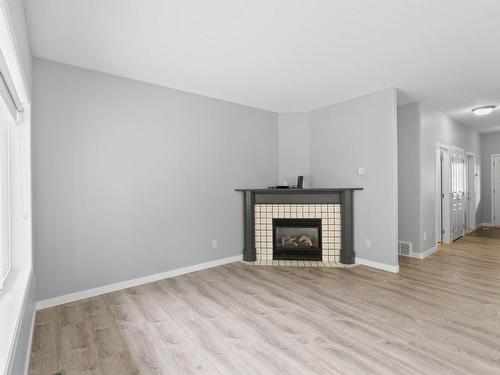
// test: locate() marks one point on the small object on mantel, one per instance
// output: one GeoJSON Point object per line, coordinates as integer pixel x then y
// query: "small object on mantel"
{"type": "Point", "coordinates": [300, 182]}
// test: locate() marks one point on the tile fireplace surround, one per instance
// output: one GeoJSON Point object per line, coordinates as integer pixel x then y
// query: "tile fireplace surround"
{"type": "Point", "coordinates": [333, 206]}
{"type": "Point", "coordinates": [330, 231]}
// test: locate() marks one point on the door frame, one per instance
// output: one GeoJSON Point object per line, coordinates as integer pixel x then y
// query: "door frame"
{"type": "Point", "coordinates": [443, 186]}
{"type": "Point", "coordinates": [493, 156]}
{"type": "Point", "coordinates": [473, 155]}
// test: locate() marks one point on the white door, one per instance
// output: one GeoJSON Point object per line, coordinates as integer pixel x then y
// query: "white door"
{"type": "Point", "coordinates": [496, 190]}
{"type": "Point", "coordinates": [443, 189]}
{"type": "Point", "coordinates": [457, 194]}
{"type": "Point", "coordinates": [471, 192]}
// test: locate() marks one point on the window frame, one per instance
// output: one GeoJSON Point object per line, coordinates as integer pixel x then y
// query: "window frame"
{"type": "Point", "coordinates": [7, 205]}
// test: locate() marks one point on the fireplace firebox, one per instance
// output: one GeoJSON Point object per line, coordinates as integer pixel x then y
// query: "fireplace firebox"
{"type": "Point", "coordinates": [297, 239]}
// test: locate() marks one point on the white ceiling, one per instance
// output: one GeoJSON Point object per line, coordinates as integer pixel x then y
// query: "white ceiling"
{"type": "Point", "coordinates": [286, 55]}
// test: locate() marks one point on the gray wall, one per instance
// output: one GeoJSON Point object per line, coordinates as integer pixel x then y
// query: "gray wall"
{"type": "Point", "coordinates": [361, 133]}
{"type": "Point", "coordinates": [294, 157]}
{"type": "Point", "coordinates": [437, 127]}
{"type": "Point", "coordinates": [409, 174]}
{"type": "Point", "coordinates": [132, 179]}
{"type": "Point", "coordinates": [490, 144]}
{"type": "Point", "coordinates": [420, 129]}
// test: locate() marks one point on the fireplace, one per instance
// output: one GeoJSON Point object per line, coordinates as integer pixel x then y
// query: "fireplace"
{"type": "Point", "coordinates": [297, 239]}
{"type": "Point", "coordinates": [332, 243]}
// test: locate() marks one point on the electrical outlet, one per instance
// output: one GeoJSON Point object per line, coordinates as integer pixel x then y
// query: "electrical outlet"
{"type": "Point", "coordinates": [368, 243]}
{"type": "Point", "coordinates": [214, 244]}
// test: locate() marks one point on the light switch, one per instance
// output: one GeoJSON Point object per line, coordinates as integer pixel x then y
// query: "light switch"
{"type": "Point", "coordinates": [361, 171]}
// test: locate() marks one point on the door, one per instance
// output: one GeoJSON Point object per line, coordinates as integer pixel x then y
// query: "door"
{"type": "Point", "coordinates": [443, 189]}
{"type": "Point", "coordinates": [496, 190]}
{"type": "Point", "coordinates": [471, 192]}
{"type": "Point", "coordinates": [457, 194]}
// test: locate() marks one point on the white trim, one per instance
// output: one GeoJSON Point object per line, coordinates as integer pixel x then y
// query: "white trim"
{"type": "Point", "coordinates": [446, 214]}
{"type": "Point", "coordinates": [428, 252]}
{"type": "Point", "coordinates": [488, 225]}
{"type": "Point", "coordinates": [131, 283]}
{"type": "Point", "coordinates": [437, 192]}
{"type": "Point", "coordinates": [443, 145]}
{"type": "Point", "coordinates": [413, 255]}
{"type": "Point", "coordinates": [469, 196]}
{"type": "Point", "coordinates": [12, 309]}
{"type": "Point", "coordinates": [416, 256]}
{"type": "Point", "coordinates": [475, 227]}
{"type": "Point", "coordinates": [13, 59]}
{"type": "Point", "coordinates": [458, 149]}
{"type": "Point", "coordinates": [380, 266]}
{"type": "Point", "coordinates": [493, 156]}
{"type": "Point", "coordinates": [425, 254]}
{"type": "Point", "coordinates": [30, 343]}
{"type": "Point", "coordinates": [7, 185]}
{"type": "Point", "coordinates": [395, 176]}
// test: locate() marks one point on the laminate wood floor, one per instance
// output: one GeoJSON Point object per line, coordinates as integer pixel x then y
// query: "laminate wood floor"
{"type": "Point", "coordinates": [437, 316]}
{"type": "Point", "coordinates": [487, 232]}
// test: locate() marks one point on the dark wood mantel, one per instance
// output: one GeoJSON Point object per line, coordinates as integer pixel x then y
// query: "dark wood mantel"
{"type": "Point", "coordinates": [342, 196]}
{"type": "Point", "coordinates": [299, 191]}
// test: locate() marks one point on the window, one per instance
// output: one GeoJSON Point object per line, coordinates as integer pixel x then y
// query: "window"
{"type": "Point", "coordinates": [6, 122]}
{"type": "Point", "coordinates": [10, 108]}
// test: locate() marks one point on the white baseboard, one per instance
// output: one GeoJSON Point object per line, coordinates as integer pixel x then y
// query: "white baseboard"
{"type": "Point", "coordinates": [380, 266]}
{"type": "Point", "coordinates": [131, 283]}
{"type": "Point", "coordinates": [423, 255]}
{"type": "Point", "coordinates": [485, 225]}
{"type": "Point", "coordinates": [428, 252]}
{"type": "Point", "coordinates": [412, 255]}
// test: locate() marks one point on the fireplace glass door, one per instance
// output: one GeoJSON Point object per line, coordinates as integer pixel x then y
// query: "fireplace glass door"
{"type": "Point", "coordinates": [297, 239]}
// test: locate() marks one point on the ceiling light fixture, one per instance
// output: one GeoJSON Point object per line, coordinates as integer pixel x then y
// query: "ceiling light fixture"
{"type": "Point", "coordinates": [483, 111]}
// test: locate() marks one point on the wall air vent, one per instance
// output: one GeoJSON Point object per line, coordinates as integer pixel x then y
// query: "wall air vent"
{"type": "Point", "coordinates": [405, 248]}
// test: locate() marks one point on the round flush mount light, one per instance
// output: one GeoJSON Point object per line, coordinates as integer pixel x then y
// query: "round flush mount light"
{"type": "Point", "coordinates": [484, 110]}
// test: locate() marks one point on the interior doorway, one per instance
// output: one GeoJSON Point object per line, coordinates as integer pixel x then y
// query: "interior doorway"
{"type": "Point", "coordinates": [443, 175]}
{"type": "Point", "coordinates": [471, 191]}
